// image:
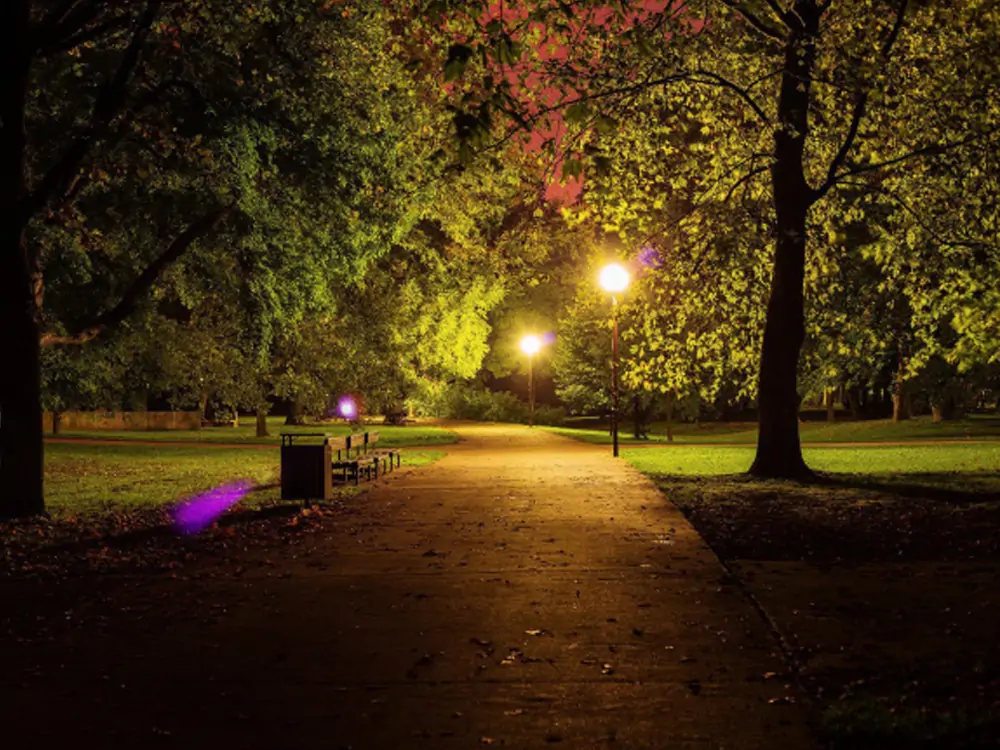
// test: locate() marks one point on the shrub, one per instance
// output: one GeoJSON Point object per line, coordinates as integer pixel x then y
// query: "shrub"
{"type": "Point", "coordinates": [462, 401]}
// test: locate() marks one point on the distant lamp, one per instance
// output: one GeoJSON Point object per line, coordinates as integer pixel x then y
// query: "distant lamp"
{"type": "Point", "coordinates": [530, 345]}
{"type": "Point", "coordinates": [614, 278]}
{"type": "Point", "coordinates": [347, 408]}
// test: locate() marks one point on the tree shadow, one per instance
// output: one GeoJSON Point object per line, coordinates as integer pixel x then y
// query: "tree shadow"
{"type": "Point", "coordinates": [977, 487]}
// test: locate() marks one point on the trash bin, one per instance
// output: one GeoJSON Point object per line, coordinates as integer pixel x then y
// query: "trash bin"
{"type": "Point", "coordinates": [306, 468]}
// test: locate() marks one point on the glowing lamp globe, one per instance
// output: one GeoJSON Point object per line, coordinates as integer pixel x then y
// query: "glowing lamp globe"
{"type": "Point", "coordinates": [347, 408]}
{"type": "Point", "coordinates": [530, 345]}
{"type": "Point", "coordinates": [614, 278]}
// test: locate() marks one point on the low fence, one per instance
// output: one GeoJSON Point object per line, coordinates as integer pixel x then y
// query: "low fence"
{"type": "Point", "coordinates": [123, 420]}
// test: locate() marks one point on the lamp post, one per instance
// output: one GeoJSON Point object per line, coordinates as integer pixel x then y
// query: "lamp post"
{"type": "Point", "coordinates": [530, 345]}
{"type": "Point", "coordinates": [614, 278]}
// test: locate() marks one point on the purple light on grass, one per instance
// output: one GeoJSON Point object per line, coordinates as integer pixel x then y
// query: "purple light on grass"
{"type": "Point", "coordinates": [197, 514]}
{"type": "Point", "coordinates": [346, 408]}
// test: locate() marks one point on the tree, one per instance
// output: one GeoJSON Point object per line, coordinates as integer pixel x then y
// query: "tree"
{"type": "Point", "coordinates": [806, 96]}
{"type": "Point", "coordinates": [269, 142]}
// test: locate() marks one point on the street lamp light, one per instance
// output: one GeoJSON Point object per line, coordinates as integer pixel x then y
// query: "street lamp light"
{"type": "Point", "coordinates": [614, 278]}
{"type": "Point", "coordinates": [530, 345]}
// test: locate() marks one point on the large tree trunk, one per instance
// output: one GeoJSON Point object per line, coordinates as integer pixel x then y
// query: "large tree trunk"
{"type": "Point", "coordinates": [831, 405]}
{"type": "Point", "coordinates": [261, 422]}
{"type": "Point", "coordinates": [21, 446]}
{"type": "Point", "coordinates": [779, 451]}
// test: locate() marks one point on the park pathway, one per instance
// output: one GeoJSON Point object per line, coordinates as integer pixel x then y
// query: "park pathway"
{"type": "Point", "coordinates": [525, 591]}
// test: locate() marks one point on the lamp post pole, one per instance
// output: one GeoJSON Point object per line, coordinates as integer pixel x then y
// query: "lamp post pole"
{"type": "Point", "coordinates": [614, 376]}
{"type": "Point", "coordinates": [531, 392]}
{"type": "Point", "coordinates": [614, 279]}
{"type": "Point", "coordinates": [530, 345]}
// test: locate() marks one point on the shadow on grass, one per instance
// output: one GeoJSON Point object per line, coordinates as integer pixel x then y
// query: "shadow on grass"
{"type": "Point", "coordinates": [957, 488]}
{"type": "Point", "coordinates": [148, 538]}
{"type": "Point", "coordinates": [864, 723]}
{"type": "Point", "coordinates": [843, 518]}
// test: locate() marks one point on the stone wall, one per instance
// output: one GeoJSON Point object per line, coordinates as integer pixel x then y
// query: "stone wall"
{"type": "Point", "coordinates": [124, 420]}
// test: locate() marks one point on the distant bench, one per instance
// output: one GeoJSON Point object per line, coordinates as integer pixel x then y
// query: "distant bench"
{"type": "Point", "coordinates": [367, 457]}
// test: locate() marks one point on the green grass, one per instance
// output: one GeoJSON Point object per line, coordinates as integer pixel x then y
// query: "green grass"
{"type": "Point", "coordinates": [710, 460]}
{"type": "Point", "coordinates": [744, 433]}
{"type": "Point", "coordinates": [390, 436]}
{"type": "Point", "coordinates": [88, 479]}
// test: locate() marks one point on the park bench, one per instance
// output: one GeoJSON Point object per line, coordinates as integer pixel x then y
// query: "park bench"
{"type": "Point", "coordinates": [386, 455]}
{"type": "Point", "coordinates": [357, 455]}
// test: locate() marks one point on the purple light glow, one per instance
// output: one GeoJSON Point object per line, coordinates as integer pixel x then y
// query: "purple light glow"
{"type": "Point", "coordinates": [347, 408]}
{"type": "Point", "coordinates": [649, 257]}
{"type": "Point", "coordinates": [197, 514]}
{"type": "Point", "coordinates": [549, 337]}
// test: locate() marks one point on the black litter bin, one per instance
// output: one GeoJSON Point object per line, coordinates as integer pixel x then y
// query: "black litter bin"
{"type": "Point", "coordinates": [306, 467]}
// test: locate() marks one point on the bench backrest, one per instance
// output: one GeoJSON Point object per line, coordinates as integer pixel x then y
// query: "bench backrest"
{"type": "Point", "coordinates": [288, 438]}
{"type": "Point", "coordinates": [371, 438]}
{"type": "Point", "coordinates": [355, 442]}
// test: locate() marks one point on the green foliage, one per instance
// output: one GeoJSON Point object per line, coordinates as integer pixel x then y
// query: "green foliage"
{"type": "Point", "coordinates": [468, 401]}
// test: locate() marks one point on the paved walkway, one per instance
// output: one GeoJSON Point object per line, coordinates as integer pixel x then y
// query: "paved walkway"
{"type": "Point", "coordinates": [525, 591]}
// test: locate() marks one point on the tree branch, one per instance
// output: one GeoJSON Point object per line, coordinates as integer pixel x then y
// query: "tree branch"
{"type": "Point", "coordinates": [130, 299]}
{"type": "Point", "coordinates": [754, 20]}
{"type": "Point", "coordinates": [743, 93]}
{"type": "Point", "coordinates": [860, 107]}
{"type": "Point", "coordinates": [67, 19]}
{"type": "Point", "coordinates": [933, 149]}
{"type": "Point", "coordinates": [82, 36]}
{"type": "Point", "coordinates": [744, 179]}
{"type": "Point", "coordinates": [921, 222]}
{"type": "Point", "coordinates": [108, 103]}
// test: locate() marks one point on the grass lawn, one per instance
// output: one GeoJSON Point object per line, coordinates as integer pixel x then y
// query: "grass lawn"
{"type": "Point", "coordinates": [979, 427]}
{"type": "Point", "coordinates": [91, 479]}
{"type": "Point", "coordinates": [390, 436]}
{"type": "Point", "coordinates": [893, 461]}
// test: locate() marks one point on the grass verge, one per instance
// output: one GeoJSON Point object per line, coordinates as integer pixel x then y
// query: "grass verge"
{"type": "Point", "coordinates": [979, 427]}
{"type": "Point", "coordinates": [92, 479]}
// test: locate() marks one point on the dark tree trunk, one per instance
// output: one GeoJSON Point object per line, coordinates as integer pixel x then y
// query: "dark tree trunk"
{"type": "Point", "coordinates": [21, 446]}
{"type": "Point", "coordinates": [638, 418]}
{"type": "Point", "coordinates": [56, 422]}
{"type": "Point", "coordinates": [261, 422]}
{"type": "Point", "coordinates": [779, 451]}
{"type": "Point", "coordinates": [670, 417]}
{"type": "Point", "coordinates": [854, 403]}
{"type": "Point", "coordinates": [202, 407]}
{"type": "Point", "coordinates": [294, 413]}
{"type": "Point", "coordinates": [937, 413]}
{"type": "Point", "coordinates": [831, 408]}
{"type": "Point", "coordinates": [899, 400]}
